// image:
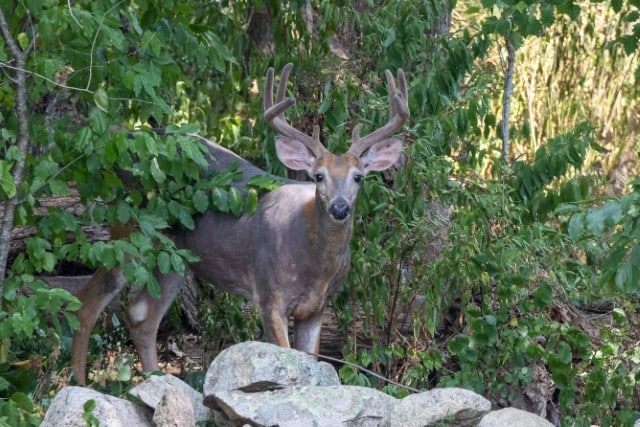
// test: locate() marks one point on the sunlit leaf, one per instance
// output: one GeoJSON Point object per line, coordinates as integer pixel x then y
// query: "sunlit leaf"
{"type": "Point", "coordinates": [101, 99]}
{"type": "Point", "coordinates": [158, 175]}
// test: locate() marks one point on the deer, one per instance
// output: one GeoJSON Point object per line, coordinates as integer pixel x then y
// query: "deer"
{"type": "Point", "coordinates": [288, 257]}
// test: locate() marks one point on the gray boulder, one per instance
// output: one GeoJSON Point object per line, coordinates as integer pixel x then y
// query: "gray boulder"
{"type": "Point", "coordinates": [155, 387]}
{"type": "Point", "coordinates": [329, 406]}
{"type": "Point", "coordinates": [257, 366]}
{"type": "Point", "coordinates": [174, 410]}
{"type": "Point", "coordinates": [67, 410]}
{"type": "Point", "coordinates": [509, 417]}
{"type": "Point", "coordinates": [454, 406]}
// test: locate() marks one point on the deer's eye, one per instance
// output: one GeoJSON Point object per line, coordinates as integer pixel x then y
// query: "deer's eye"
{"type": "Point", "coordinates": [319, 177]}
{"type": "Point", "coordinates": [358, 179]}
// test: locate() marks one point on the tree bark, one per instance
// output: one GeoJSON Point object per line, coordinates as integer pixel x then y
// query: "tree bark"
{"type": "Point", "coordinates": [20, 59]}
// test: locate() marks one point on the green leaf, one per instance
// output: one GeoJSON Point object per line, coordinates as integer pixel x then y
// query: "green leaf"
{"type": "Point", "coordinates": [4, 384]}
{"type": "Point", "coordinates": [566, 208]}
{"type": "Point", "coordinates": [164, 262]}
{"type": "Point", "coordinates": [619, 316]}
{"type": "Point", "coordinates": [200, 201]}
{"type": "Point", "coordinates": [182, 129]}
{"type": "Point", "coordinates": [98, 121]}
{"type": "Point", "coordinates": [265, 182]}
{"type": "Point", "coordinates": [6, 179]}
{"type": "Point", "coordinates": [251, 201]}
{"type": "Point", "coordinates": [123, 212]}
{"type": "Point", "coordinates": [616, 5]}
{"type": "Point", "coordinates": [101, 99]}
{"type": "Point", "coordinates": [220, 199]}
{"type": "Point", "coordinates": [89, 405]}
{"type": "Point", "coordinates": [186, 219]}
{"type": "Point", "coordinates": [158, 175]}
{"type": "Point", "coordinates": [564, 353]}
{"type": "Point", "coordinates": [600, 218]}
{"type": "Point", "coordinates": [178, 263]}
{"type": "Point", "coordinates": [23, 401]}
{"type": "Point", "coordinates": [23, 40]}
{"type": "Point", "coordinates": [390, 38]}
{"type": "Point", "coordinates": [124, 372]}
{"type": "Point", "coordinates": [365, 359]}
{"type": "Point", "coordinates": [73, 321]}
{"type": "Point", "coordinates": [625, 277]}
{"type": "Point", "coordinates": [543, 296]}
{"type": "Point", "coordinates": [575, 226]}
{"type": "Point", "coordinates": [59, 187]}
{"type": "Point", "coordinates": [236, 203]}
{"type": "Point", "coordinates": [49, 261]}
{"type": "Point", "coordinates": [629, 44]}
{"type": "Point", "coordinates": [188, 255]}
{"type": "Point", "coordinates": [84, 138]}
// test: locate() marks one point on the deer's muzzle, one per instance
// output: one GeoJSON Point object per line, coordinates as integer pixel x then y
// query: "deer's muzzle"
{"type": "Point", "coordinates": [339, 210]}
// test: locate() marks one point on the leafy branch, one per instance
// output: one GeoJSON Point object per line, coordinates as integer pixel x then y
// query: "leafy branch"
{"type": "Point", "coordinates": [506, 97]}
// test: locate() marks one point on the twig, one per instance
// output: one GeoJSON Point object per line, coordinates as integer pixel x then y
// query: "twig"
{"type": "Point", "coordinates": [63, 86]}
{"type": "Point", "coordinates": [360, 368]}
{"type": "Point", "coordinates": [72, 15]}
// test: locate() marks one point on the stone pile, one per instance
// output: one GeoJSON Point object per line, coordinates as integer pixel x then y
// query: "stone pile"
{"type": "Point", "coordinates": [259, 384]}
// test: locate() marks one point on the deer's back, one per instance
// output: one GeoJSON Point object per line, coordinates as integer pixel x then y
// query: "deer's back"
{"type": "Point", "coordinates": [236, 253]}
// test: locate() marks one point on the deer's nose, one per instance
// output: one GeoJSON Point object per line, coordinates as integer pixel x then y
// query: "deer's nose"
{"type": "Point", "coordinates": [339, 210]}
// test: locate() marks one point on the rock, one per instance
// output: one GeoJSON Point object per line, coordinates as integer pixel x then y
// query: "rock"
{"type": "Point", "coordinates": [511, 417]}
{"type": "Point", "coordinates": [67, 410]}
{"type": "Point", "coordinates": [454, 406]}
{"type": "Point", "coordinates": [329, 406]}
{"type": "Point", "coordinates": [174, 410]}
{"type": "Point", "coordinates": [257, 366]}
{"type": "Point", "coordinates": [152, 389]}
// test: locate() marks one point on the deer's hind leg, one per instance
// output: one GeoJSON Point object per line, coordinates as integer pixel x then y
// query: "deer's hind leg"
{"type": "Point", "coordinates": [145, 314]}
{"type": "Point", "coordinates": [103, 286]}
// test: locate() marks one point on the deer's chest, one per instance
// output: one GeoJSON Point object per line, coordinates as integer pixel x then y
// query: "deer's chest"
{"type": "Point", "coordinates": [317, 288]}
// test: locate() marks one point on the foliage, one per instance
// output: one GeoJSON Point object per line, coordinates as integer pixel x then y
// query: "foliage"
{"type": "Point", "coordinates": [468, 268]}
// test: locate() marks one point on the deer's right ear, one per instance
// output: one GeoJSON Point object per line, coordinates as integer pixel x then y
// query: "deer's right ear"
{"type": "Point", "coordinates": [294, 155]}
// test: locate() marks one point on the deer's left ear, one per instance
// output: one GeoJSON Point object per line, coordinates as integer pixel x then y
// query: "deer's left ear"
{"type": "Point", "coordinates": [294, 155]}
{"type": "Point", "coordinates": [382, 155]}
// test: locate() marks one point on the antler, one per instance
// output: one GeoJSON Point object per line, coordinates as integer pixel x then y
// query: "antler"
{"type": "Point", "coordinates": [399, 115]}
{"type": "Point", "coordinates": [274, 114]}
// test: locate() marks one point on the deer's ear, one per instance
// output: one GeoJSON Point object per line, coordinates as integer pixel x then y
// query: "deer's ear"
{"type": "Point", "coordinates": [294, 155]}
{"type": "Point", "coordinates": [382, 155]}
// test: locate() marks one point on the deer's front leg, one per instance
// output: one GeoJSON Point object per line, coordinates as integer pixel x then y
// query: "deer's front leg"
{"type": "Point", "coordinates": [307, 333]}
{"type": "Point", "coordinates": [275, 323]}
{"type": "Point", "coordinates": [103, 286]}
{"type": "Point", "coordinates": [146, 313]}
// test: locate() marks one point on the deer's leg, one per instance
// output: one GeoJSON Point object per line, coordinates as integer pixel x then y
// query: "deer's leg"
{"type": "Point", "coordinates": [307, 333]}
{"type": "Point", "coordinates": [103, 286]}
{"type": "Point", "coordinates": [146, 313]}
{"type": "Point", "coordinates": [275, 323]}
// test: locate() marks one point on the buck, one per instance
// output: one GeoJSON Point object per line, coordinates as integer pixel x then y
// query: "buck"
{"type": "Point", "coordinates": [287, 257]}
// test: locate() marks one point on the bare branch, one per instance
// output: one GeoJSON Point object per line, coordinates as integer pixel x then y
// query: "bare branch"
{"type": "Point", "coordinates": [6, 225]}
{"type": "Point", "coordinates": [72, 15]}
{"type": "Point", "coordinates": [95, 39]}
